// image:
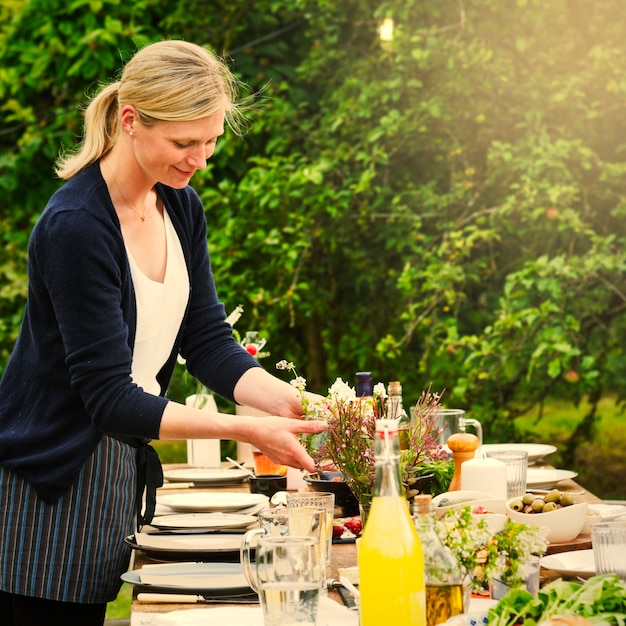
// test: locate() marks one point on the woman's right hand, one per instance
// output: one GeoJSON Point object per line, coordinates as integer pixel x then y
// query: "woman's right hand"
{"type": "Point", "coordinates": [277, 437]}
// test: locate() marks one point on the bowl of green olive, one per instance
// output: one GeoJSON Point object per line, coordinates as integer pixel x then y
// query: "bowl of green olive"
{"type": "Point", "coordinates": [556, 510]}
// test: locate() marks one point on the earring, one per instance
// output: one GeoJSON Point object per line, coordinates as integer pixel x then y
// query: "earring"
{"type": "Point", "coordinates": [131, 133]}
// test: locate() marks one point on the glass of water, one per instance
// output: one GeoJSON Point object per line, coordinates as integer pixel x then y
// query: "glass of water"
{"type": "Point", "coordinates": [287, 576]}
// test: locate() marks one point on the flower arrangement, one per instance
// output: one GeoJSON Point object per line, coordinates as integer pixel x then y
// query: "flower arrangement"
{"type": "Point", "coordinates": [488, 557]}
{"type": "Point", "coordinates": [348, 442]}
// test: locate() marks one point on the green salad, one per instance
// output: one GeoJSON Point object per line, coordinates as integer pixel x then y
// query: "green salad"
{"type": "Point", "coordinates": [601, 600]}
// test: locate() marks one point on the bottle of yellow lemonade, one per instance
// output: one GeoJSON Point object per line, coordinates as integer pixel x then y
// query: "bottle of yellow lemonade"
{"type": "Point", "coordinates": [391, 561]}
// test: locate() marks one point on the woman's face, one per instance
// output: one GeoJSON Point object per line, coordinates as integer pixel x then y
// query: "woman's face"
{"type": "Point", "coordinates": [171, 152]}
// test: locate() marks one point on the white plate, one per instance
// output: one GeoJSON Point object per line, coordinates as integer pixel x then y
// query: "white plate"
{"type": "Point", "coordinates": [205, 476]}
{"type": "Point", "coordinates": [202, 521]}
{"type": "Point", "coordinates": [207, 579]}
{"type": "Point", "coordinates": [608, 511]}
{"type": "Point", "coordinates": [205, 502]}
{"type": "Point", "coordinates": [547, 478]}
{"type": "Point", "coordinates": [574, 564]}
{"type": "Point", "coordinates": [535, 451]}
{"type": "Point", "coordinates": [177, 543]}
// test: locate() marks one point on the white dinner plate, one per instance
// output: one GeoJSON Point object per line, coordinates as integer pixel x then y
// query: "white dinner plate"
{"type": "Point", "coordinates": [167, 544]}
{"type": "Point", "coordinates": [207, 579]}
{"type": "Point", "coordinates": [205, 502]}
{"type": "Point", "coordinates": [573, 564]}
{"type": "Point", "coordinates": [205, 476]}
{"type": "Point", "coordinates": [535, 451]}
{"type": "Point", "coordinates": [202, 521]}
{"type": "Point", "coordinates": [546, 478]}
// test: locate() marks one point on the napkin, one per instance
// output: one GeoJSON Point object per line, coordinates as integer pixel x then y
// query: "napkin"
{"type": "Point", "coordinates": [330, 613]}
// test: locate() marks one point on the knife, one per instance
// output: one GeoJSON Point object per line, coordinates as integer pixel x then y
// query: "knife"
{"type": "Point", "coordinates": [188, 598]}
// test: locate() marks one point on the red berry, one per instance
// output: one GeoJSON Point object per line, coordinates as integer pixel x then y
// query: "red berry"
{"type": "Point", "coordinates": [337, 530]}
{"type": "Point", "coordinates": [354, 525]}
{"type": "Point", "coordinates": [252, 349]}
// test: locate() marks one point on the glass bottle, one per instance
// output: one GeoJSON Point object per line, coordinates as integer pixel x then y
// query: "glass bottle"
{"type": "Point", "coordinates": [443, 573]}
{"type": "Point", "coordinates": [395, 410]}
{"type": "Point", "coordinates": [391, 562]}
{"type": "Point", "coordinates": [364, 385]}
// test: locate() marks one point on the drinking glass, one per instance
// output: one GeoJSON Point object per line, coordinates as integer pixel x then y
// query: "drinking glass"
{"type": "Point", "coordinates": [291, 522]}
{"type": "Point", "coordinates": [319, 499]}
{"type": "Point", "coordinates": [453, 421]}
{"type": "Point", "coordinates": [264, 466]}
{"type": "Point", "coordinates": [608, 540]}
{"type": "Point", "coordinates": [287, 576]}
{"type": "Point", "coordinates": [516, 462]}
{"type": "Point", "coordinates": [253, 343]}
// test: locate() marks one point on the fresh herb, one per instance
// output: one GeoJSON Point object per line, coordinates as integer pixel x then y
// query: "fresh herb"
{"type": "Point", "coordinates": [600, 599]}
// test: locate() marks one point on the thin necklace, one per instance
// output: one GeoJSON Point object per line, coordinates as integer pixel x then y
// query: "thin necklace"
{"type": "Point", "coordinates": [142, 216]}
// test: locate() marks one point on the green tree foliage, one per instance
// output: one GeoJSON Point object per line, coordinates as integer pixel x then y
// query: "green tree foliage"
{"type": "Point", "coordinates": [447, 206]}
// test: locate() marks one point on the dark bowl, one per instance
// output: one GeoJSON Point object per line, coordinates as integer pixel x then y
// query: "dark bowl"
{"type": "Point", "coordinates": [344, 498]}
{"type": "Point", "coordinates": [422, 483]}
{"type": "Point", "coordinates": [267, 484]}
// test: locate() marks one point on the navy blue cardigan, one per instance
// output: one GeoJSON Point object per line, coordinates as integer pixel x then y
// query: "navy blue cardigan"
{"type": "Point", "coordinates": [68, 379]}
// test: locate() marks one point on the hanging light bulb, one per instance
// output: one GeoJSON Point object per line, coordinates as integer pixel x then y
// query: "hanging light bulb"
{"type": "Point", "coordinates": [385, 30]}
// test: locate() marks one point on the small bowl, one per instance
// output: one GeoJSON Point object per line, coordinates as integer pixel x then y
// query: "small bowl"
{"type": "Point", "coordinates": [593, 517]}
{"type": "Point", "coordinates": [333, 482]}
{"type": "Point", "coordinates": [495, 521]}
{"type": "Point", "coordinates": [564, 524]}
{"type": "Point", "coordinates": [458, 499]}
{"type": "Point", "coordinates": [267, 484]}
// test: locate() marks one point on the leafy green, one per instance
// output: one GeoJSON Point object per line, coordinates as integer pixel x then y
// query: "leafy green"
{"type": "Point", "coordinates": [601, 599]}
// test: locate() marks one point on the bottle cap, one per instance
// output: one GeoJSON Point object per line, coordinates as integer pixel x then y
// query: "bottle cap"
{"type": "Point", "coordinates": [363, 384]}
{"type": "Point", "coordinates": [422, 503]}
{"type": "Point", "coordinates": [394, 388]}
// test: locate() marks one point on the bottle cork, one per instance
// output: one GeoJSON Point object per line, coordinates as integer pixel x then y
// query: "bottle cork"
{"type": "Point", "coordinates": [463, 446]}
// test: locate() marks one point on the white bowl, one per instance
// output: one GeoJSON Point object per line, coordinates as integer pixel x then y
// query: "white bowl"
{"type": "Point", "coordinates": [457, 499]}
{"type": "Point", "coordinates": [592, 517]}
{"type": "Point", "coordinates": [564, 524]}
{"type": "Point", "coordinates": [495, 521]}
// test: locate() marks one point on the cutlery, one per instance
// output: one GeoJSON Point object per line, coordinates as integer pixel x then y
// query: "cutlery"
{"type": "Point", "coordinates": [574, 493]}
{"type": "Point", "coordinates": [192, 531]}
{"type": "Point", "coordinates": [188, 598]}
{"type": "Point", "coordinates": [167, 485]}
{"type": "Point", "coordinates": [240, 466]}
{"type": "Point", "coordinates": [350, 587]}
{"type": "Point", "coordinates": [347, 596]}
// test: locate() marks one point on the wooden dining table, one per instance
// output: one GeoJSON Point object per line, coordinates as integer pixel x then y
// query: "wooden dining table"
{"type": "Point", "coordinates": [343, 554]}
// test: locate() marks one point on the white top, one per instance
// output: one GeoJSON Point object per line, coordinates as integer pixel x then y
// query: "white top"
{"type": "Point", "coordinates": [160, 310]}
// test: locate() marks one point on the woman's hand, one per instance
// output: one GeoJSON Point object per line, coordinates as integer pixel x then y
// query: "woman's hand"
{"type": "Point", "coordinates": [277, 437]}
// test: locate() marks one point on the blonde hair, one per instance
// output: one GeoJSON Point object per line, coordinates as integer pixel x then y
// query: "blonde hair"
{"type": "Point", "coordinates": [165, 81]}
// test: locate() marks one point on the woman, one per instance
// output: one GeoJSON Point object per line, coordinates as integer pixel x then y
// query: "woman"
{"type": "Point", "coordinates": [120, 283]}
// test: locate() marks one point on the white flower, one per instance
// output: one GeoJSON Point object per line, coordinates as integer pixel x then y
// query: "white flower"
{"type": "Point", "coordinates": [341, 391]}
{"type": "Point", "coordinates": [233, 318]}
{"type": "Point", "coordinates": [285, 365]}
{"type": "Point", "coordinates": [379, 390]}
{"type": "Point", "coordinates": [299, 383]}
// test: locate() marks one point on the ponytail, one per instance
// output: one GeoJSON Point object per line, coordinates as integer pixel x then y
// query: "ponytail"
{"type": "Point", "coordinates": [101, 129]}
